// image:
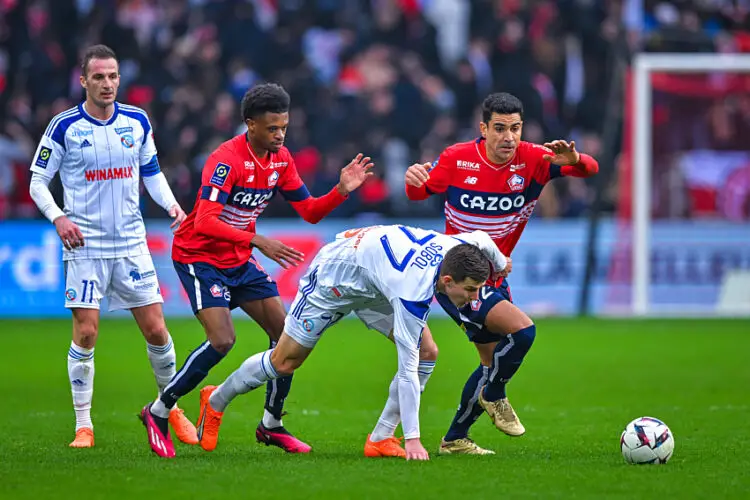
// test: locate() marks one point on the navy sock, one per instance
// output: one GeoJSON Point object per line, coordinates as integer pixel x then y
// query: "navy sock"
{"type": "Point", "coordinates": [191, 374]}
{"type": "Point", "coordinates": [469, 409]}
{"type": "Point", "coordinates": [276, 392]}
{"type": "Point", "coordinates": [506, 360]}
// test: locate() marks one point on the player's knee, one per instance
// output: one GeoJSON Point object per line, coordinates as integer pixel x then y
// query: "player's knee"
{"type": "Point", "coordinates": [505, 318]}
{"type": "Point", "coordinates": [156, 334]}
{"type": "Point", "coordinates": [85, 334]}
{"type": "Point", "coordinates": [285, 365]}
{"type": "Point", "coordinates": [224, 343]}
{"type": "Point", "coordinates": [524, 338]}
{"type": "Point", "coordinates": [428, 351]}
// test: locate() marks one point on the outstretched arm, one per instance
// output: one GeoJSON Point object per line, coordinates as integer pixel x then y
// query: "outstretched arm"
{"type": "Point", "coordinates": [571, 162]}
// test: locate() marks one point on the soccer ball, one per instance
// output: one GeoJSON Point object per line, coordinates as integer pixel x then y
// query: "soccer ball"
{"type": "Point", "coordinates": [647, 440]}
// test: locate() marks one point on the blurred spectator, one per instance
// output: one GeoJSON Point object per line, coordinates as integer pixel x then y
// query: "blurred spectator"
{"type": "Point", "coordinates": [395, 79]}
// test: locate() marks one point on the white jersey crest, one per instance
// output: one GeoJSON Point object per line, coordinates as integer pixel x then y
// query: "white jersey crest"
{"type": "Point", "coordinates": [100, 165]}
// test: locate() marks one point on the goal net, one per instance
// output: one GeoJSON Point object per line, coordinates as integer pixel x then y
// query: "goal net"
{"type": "Point", "coordinates": [685, 185]}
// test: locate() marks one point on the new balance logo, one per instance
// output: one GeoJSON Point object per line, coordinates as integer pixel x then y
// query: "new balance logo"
{"type": "Point", "coordinates": [470, 180]}
{"type": "Point", "coordinates": [85, 144]}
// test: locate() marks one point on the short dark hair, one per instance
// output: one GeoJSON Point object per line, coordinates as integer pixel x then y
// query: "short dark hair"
{"type": "Point", "coordinates": [501, 103]}
{"type": "Point", "coordinates": [264, 98]}
{"type": "Point", "coordinates": [466, 261]}
{"type": "Point", "coordinates": [96, 52]}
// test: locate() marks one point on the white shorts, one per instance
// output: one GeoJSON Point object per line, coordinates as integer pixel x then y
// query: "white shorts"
{"type": "Point", "coordinates": [320, 303]}
{"type": "Point", "coordinates": [126, 282]}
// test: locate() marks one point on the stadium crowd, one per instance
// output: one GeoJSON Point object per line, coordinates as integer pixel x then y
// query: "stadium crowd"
{"type": "Point", "coordinates": [396, 79]}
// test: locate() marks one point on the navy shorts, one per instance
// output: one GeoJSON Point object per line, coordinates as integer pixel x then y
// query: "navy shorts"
{"type": "Point", "coordinates": [472, 317]}
{"type": "Point", "coordinates": [208, 286]}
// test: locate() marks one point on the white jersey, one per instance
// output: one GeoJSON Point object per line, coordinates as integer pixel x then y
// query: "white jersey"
{"type": "Point", "coordinates": [402, 261]}
{"type": "Point", "coordinates": [100, 165]}
{"type": "Point", "coordinates": [387, 276]}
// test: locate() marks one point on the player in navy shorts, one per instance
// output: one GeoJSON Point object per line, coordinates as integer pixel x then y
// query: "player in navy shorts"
{"type": "Point", "coordinates": [209, 286]}
{"type": "Point", "coordinates": [493, 184]}
{"type": "Point", "coordinates": [212, 253]}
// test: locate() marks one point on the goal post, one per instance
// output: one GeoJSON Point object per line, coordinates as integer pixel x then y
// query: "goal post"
{"type": "Point", "coordinates": [644, 66]}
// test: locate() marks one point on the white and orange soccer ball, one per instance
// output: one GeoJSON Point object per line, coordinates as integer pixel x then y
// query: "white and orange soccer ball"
{"type": "Point", "coordinates": [647, 440]}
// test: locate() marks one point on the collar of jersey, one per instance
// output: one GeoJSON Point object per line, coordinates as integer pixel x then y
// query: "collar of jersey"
{"type": "Point", "coordinates": [94, 121]}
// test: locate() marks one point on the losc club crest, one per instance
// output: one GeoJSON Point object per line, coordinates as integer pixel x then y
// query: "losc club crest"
{"type": "Point", "coordinates": [273, 179]}
{"type": "Point", "coordinates": [516, 182]}
{"type": "Point", "coordinates": [476, 304]}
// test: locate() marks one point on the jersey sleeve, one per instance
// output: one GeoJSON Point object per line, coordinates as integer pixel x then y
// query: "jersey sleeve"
{"type": "Point", "coordinates": [440, 177]}
{"type": "Point", "coordinates": [409, 319]}
{"type": "Point", "coordinates": [488, 247]}
{"type": "Point", "coordinates": [48, 157]}
{"type": "Point", "coordinates": [149, 162]}
{"type": "Point", "coordinates": [217, 179]}
{"type": "Point", "coordinates": [546, 171]}
{"type": "Point", "coordinates": [290, 185]}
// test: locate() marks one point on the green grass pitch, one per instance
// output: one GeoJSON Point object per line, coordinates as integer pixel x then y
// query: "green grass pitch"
{"type": "Point", "coordinates": [581, 383]}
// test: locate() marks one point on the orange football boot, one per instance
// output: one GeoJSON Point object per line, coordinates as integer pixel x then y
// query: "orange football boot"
{"type": "Point", "coordinates": [209, 421]}
{"type": "Point", "coordinates": [84, 438]}
{"type": "Point", "coordinates": [182, 427]}
{"type": "Point", "coordinates": [389, 447]}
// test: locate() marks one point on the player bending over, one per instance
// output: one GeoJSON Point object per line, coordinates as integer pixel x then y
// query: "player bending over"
{"type": "Point", "coordinates": [493, 183]}
{"type": "Point", "coordinates": [386, 275]}
{"type": "Point", "coordinates": [102, 148]}
{"type": "Point", "coordinates": [212, 253]}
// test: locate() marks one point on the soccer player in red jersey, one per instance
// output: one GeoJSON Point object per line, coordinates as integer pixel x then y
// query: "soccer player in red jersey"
{"type": "Point", "coordinates": [212, 254]}
{"type": "Point", "coordinates": [493, 184]}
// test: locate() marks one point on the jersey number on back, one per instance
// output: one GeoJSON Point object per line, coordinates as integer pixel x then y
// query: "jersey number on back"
{"type": "Point", "coordinates": [428, 256]}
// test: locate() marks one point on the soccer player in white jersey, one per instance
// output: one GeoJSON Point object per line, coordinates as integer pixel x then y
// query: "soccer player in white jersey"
{"type": "Point", "coordinates": [386, 275]}
{"type": "Point", "coordinates": [101, 149]}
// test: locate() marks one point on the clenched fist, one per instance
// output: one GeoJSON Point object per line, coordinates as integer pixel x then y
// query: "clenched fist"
{"type": "Point", "coordinates": [418, 174]}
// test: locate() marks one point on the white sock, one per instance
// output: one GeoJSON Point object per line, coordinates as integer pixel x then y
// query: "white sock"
{"type": "Point", "coordinates": [163, 362]}
{"type": "Point", "coordinates": [159, 409]}
{"type": "Point", "coordinates": [254, 372]}
{"type": "Point", "coordinates": [269, 421]}
{"type": "Point", "coordinates": [424, 371]}
{"type": "Point", "coordinates": [81, 376]}
{"type": "Point", "coordinates": [391, 416]}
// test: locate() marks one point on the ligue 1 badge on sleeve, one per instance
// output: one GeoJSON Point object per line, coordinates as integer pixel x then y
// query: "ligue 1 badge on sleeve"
{"type": "Point", "coordinates": [221, 172]}
{"type": "Point", "coordinates": [44, 155]}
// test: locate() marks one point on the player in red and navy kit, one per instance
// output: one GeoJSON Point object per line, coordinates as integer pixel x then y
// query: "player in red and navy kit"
{"type": "Point", "coordinates": [212, 253]}
{"type": "Point", "coordinates": [493, 184]}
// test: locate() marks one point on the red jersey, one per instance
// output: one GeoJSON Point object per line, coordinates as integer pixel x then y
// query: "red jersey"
{"type": "Point", "coordinates": [236, 187]}
{"type": "Point", "coordinates": [497, 199]}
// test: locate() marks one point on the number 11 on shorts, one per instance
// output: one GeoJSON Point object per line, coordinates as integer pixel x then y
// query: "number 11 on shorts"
{"type": "Point", "coordinates": [90, 285]}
